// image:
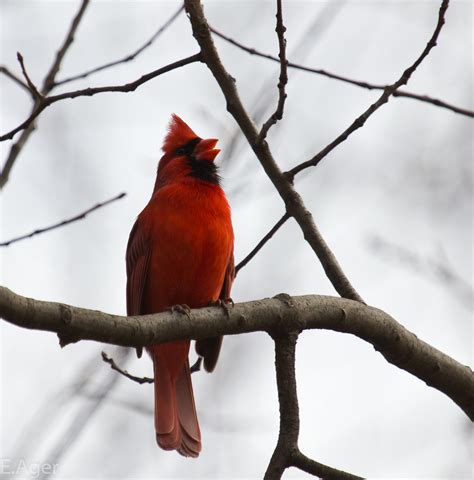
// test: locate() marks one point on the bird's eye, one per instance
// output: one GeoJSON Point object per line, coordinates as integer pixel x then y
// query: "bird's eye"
{"type": "Point", "coordinates": [181, 151]}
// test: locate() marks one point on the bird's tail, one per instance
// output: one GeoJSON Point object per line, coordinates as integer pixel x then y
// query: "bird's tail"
{"type": "Point", "coordinates": [176, 422]}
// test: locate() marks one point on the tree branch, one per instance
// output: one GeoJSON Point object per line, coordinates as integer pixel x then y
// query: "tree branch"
{"type": "Point", "coordinates": [283, 80]}
{"type": "Point", "coordinates": [31, 86]}
{"type": "Point", "coordinates": [319, 470]}
{"type": "Point", "coordinates": [262, 242]}
{"type": "Point", "coordinates": [53, 71]}
{"type": "Point", "coordinates": [358, 83]}
{"type": "Point", "coordinates": [293, 202]}
{"type": "Point", "coordinates": [48, 83]}
{"type": "Point", "coordinates": [398, 345]}
{"type": "Point", "coordinates": [14, 78]}
{"type": "Point", "coordinates": [77, 217]}
{"type": "Point", "coordinates": [115, 367]}
{"type": "Point", "coordinates": [127, 58]}
{"type": "Point", "coordinates": [360, 121]}
{"type": "Point", "coordinates": [88, 92]}
{"type": "Point", "coordinates": [285, 346]}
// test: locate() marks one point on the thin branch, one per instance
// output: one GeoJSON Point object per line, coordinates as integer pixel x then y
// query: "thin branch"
{"type": "Point", "coordinates": [48, 83]}
{"type": "Point", "coordinates": [196, 367]}
{"type": "Point", "coordinates": [53, 71]}
{"type": "Point", "coordinates": [88, 92]}
{"type": "Point", "coordinates": [283, 80]}
{"type": "Point", "coordinates": [262, 242]}
{"type": "Point", "coordinates": [293, 202]}
{"type": "Point", "coordinates": [15, 150]}
{"type": "Point", "coordinates": [285, 346]}
{"type": "Point", "coordinates": [114, 366]}
{"type": "Point", "coordinates": [31, 86]}
{"type": "Point", "coordinates": [14, 78]}
{"type": "Point", "coordinates": [127, 58]}
{"type": "Point", "coordinates": [369, 86]}
{"type": "Point", "coordinates": [398, 345]}
{"type": "Point", "coordinates": [77, 217]}
{"type": "Point", "coordinates": [360, 121]}
{"type": "Point", "coordinates": [319, 470]}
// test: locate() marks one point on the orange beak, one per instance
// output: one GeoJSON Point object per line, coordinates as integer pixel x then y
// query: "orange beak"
{"type": "Point", "coordinates": [205, 150]}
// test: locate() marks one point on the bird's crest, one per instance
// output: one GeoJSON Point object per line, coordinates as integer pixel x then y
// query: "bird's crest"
{"type": "Point", "coordinates": [179, 134]}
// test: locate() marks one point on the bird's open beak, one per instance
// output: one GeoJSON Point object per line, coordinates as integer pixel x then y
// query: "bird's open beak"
{"type": "Point", "coordinates": [205, 150]}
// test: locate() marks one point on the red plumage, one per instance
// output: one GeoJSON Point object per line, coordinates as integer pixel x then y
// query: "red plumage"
{"type": "Point", "coordinates": [180, 251]}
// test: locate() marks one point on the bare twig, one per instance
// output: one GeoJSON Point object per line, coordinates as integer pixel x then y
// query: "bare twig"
{"type": "Point", "coordinates": [196, 367]}
{"type": "Point", "coordinates": [88, 92]}
{"type": "Point", "coordinates": [77, 217]}
{"type": "Point", "coordinates": [399, 346]}
{"type": "Point", "coordinates": [114, 366]}
{"type": "Point", "coordinates": [319, 470]}
{"type": "Point", "coordinates": [14, 78]}
{"type": "Point", "coordinates": [283, 80]}
{"type": "Point", "coordinates": [31, 86]}
{"type": "Point", "coordinates": [360, 121]}
{"type": "Point", "coordinates": [54, 69]}
{"type": "Point", "coordinates": [293, 202]}
{"type": "Point", "coordinates": [369, 86]}
{"type": "Point", "coordinates": [127, 58]}
{"type": "Point", "coordinates": [262, 242]}
{"type": "Point", "coordinates": [48, 83]}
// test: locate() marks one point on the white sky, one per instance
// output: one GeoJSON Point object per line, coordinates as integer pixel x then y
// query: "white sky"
{"type": "Point", "coordinates": [405, 177]}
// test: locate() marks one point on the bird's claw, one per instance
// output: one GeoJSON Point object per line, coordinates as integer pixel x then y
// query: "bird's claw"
{"type": "Point", "coordinates": [183, 309]}
{"type": "Point", "coordinates": [227, 304]}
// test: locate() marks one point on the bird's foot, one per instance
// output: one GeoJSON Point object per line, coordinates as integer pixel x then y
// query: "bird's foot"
{"type": "Point", "coordinates": [227, 304]}
{"type": "Point", "coordinates": [183, 309]}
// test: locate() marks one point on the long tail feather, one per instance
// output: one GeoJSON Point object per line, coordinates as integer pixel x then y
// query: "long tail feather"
{"type": "Point", "coordinates": [176, 422]}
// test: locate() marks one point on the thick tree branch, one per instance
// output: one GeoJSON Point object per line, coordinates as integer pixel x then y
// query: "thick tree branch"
{"type": "Point", "coordinates": [398, 345]}
{"type": "Point", "coordinates": [77, 217]}
{"type": "Point", "coordinates": [283, 80]}
{"type": "Point", "coordinates": [293, 202]}
{"type": "Point", "coordinates": [88, 92]}
{"type": "Point", "coordinates": [358, 83]}
{"type": "Point", "coordinates": [127, 58]}
{"type": "Point", "coordinates": [361, 119]}
{"type": "Point", "coordinates": [285, 346]}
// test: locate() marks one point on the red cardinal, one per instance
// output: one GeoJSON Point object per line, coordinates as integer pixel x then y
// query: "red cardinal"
{"type": "Point", "coordinates": [180, 252]}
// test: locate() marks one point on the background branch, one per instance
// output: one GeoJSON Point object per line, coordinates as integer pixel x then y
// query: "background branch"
{"type": "Point", "coordinates": [77, 217]}
{"type": "Point", "coordinates": [262, 242]}
{"type": "Point", "coordinates": [283, 80]}
{"type": "Point", "coordinates": [88, 92]}
{"type": "Point", "coordinates": [358, 83]}
{"type": "Point", "coordinates": [14, 78]}
{"type": "Point", "coordinates": [360, 121]}
{"type": "Point", "coordinates": [48, 83]}
{"type": "Point", "coordinates": [127, 58]}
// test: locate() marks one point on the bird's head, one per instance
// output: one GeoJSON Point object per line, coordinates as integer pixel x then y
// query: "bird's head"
{"type": "Point", "coordinates": [187, 155]}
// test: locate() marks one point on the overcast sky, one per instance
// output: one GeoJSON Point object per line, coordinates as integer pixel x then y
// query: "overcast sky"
{"type": "Point", "coordinates": [405, 180]}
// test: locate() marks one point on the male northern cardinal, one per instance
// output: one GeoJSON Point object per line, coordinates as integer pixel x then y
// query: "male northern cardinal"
{"type": "Point", "coordinates": [180, 252]}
